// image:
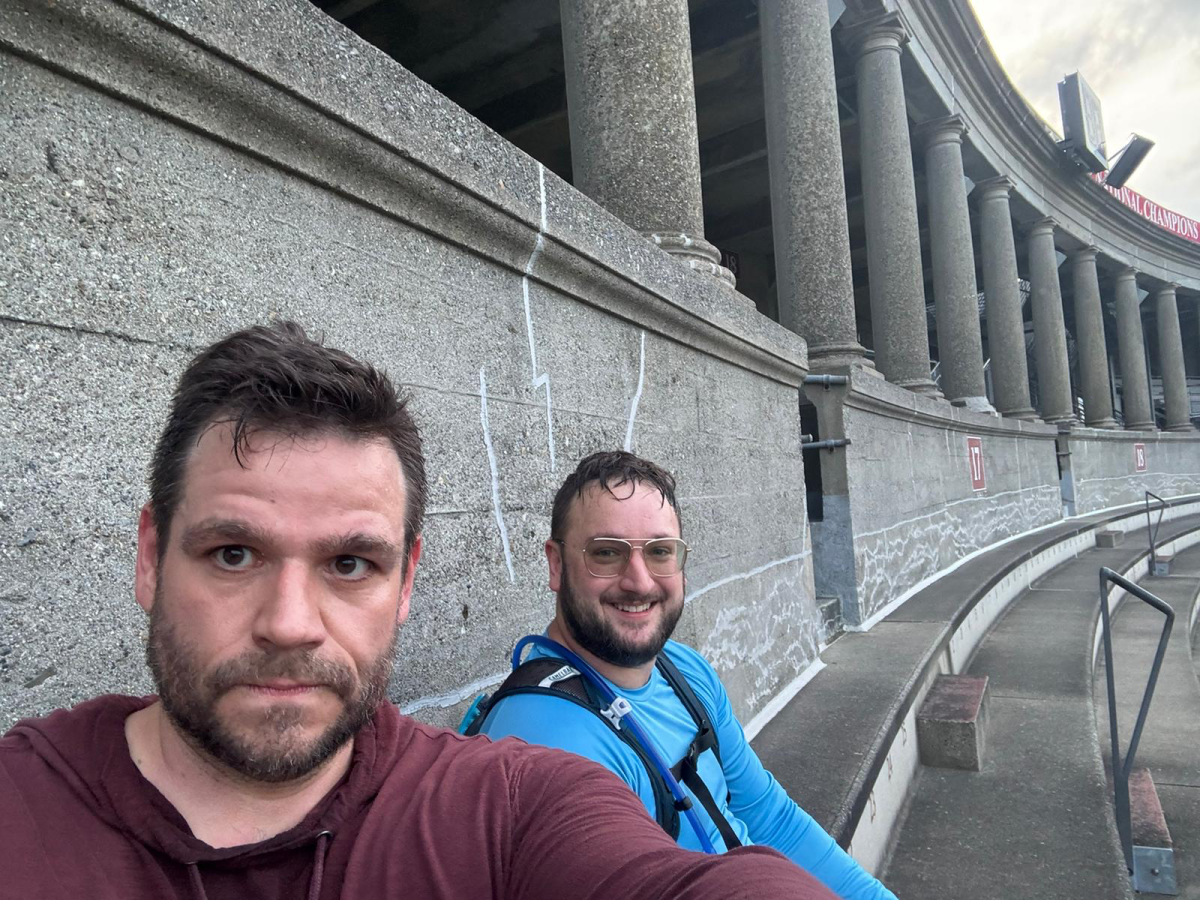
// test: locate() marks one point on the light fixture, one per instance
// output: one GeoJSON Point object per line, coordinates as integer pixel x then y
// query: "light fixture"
{"type": "Point", "coordinates": [1128, 159]}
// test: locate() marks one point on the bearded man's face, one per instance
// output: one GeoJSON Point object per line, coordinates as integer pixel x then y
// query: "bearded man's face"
{"type": "Point", "coordinates": [276, 598]}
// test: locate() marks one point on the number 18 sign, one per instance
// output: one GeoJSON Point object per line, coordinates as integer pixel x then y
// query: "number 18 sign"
{"type": "Point", "coordinates": [975, 461]}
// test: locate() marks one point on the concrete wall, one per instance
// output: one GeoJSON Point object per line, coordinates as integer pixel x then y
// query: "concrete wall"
{"type": "Point", "coordinates": [1104, 472]}
{"type": "Point", "coordinates": [903, 506]}
{"type": "Point", "coordinates": [168, 176]}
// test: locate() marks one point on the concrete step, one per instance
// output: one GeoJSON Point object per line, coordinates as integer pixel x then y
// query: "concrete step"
{"type": "Point", "coordinates": [952, 722]}
{"type": "Point", "coordinates": [1163, 563]}
{"type": "Point", "coordinates": [1153, 855]}
{"type": "Point", "coordinates": [1106, 538]}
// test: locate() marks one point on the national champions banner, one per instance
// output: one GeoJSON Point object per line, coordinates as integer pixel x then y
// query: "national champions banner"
{"type": "Point", "coordinates": [1188, 229]}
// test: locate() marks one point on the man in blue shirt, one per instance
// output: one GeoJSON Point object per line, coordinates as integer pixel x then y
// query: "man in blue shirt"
{"type": "Point", "coordinates": [616, 559]}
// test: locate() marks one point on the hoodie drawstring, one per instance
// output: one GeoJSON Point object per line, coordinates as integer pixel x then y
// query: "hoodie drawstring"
{"type": "Point", "coordinates": [314, 886]}
{"type": "Point", "coordinates": [314, 883]}
{"type": "Point", "coordinates": [197, 882]}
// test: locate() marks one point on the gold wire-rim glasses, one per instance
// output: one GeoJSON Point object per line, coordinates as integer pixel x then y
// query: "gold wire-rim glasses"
{"type": "Point", "coordinates": [601, 565]}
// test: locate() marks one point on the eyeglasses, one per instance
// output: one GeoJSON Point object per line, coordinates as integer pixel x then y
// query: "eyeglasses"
{"type": "Point", "coordinates": [606, 557]}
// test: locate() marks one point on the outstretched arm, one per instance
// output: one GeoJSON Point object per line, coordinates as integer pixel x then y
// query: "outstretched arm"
{"type": "Point", "coordinates": [772, 817]}
{"type": "Point", "coordinates": [580, 832]}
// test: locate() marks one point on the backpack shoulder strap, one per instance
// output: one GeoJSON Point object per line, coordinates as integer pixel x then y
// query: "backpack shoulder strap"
{"type": "Point", "coordinates": [555, 677]}
{"type": "Point", "coordinates": [686, 770]}
{"type": "Point", "coordinates": [706, 735]}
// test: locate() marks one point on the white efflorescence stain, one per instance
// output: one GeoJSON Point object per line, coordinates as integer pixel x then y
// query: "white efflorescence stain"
{"type": "Point", "coordinates": [741, 576]}
{"type": "Point", "coordinates": [539, 379]}
{"type": "Point", "coordinates": [637, 397]}
{"type": "Point", "coordinates": [487, 441]}
{"type": "Point", "coordinates": [458, 695]}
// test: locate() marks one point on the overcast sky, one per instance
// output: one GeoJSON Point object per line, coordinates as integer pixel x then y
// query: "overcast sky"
{"type": "Point", "coordinates": [1142, 59]}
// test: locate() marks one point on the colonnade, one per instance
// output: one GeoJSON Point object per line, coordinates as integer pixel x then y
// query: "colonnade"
{"type": "Point", "coordinates": [634, 149]}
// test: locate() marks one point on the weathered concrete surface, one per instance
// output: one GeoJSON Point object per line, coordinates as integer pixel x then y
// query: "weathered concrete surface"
{"type": "Point", "coordinates": [632, 98]}
{"type": "Point", "coordinates": [960, 347]}
{"type": "Point", "coordinates": [804, 152]}
{"type": "Point", "coordinates": [1170, 360]}
{"type": "Point", "coordinates": [1043, 785]}
{"type": "Point", "coordinates": [1089, 335]}
{"type": "Point", "coordinates": [1002, 292]}
{"type": "Point", "coordinates": [1131, 347]}
{"type": "Point", "coordinates": [1049, 332]}
{"type": "Point", "coordinates": [910, 509]}
{"type": "Point", "coordinates": [276, 166]}
{"type": "Point", "coordinates": [1103, 465]}
{"type": "Point", "coordinates": [901, 342]}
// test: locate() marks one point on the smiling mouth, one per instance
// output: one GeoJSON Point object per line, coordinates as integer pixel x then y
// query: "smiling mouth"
{"type": "Point", "coordinates": [633, 607]}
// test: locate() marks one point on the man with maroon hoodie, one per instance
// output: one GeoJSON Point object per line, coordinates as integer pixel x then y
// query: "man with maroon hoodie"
{"type": "Point", "coordinates": [275, 560]}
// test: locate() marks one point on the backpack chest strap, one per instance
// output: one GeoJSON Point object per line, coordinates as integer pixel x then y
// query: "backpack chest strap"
{"type": "Point", "coordinates": [687, 771]}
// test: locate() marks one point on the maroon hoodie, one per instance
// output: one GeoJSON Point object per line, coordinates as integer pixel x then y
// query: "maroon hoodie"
{"type": "Point", "coordinates": [422, 813]}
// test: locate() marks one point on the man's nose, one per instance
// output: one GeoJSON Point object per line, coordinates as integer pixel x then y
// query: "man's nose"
{"type": "Point", "coordinates": [637, 578]}
{"type": "Point", "coordinates": [289, 614]}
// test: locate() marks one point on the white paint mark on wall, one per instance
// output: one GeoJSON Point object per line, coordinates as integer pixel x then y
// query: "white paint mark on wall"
{"type": "Point", "coordinates": [539, 379]}
{"type": "Point", "coordinates": [637, 397]}
{"type": "Point", "coordinates": [742, 576]}
{"type": "Point", "coordinates": [487, 441]}
{"type": "Point", "coordinates": [442, 701]}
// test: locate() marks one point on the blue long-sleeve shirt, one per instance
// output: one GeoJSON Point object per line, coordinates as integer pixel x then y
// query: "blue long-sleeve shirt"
{"type": "Point", "coordinates": [758, 809]}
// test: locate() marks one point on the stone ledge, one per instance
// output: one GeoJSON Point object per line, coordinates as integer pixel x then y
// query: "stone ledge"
{"type": "Point", "coordinates": [872, 394]}
{"type": "Point", "coordinates": [1122, 436]}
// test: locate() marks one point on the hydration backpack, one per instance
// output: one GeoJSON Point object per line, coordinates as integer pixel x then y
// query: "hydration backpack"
{"type": "Point", "coordinates": [558, 678]}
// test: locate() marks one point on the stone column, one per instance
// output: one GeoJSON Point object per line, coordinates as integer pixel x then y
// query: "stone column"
{"type": "Point", "coordinates": [1002, 294]}
{"type": "Point", "coordinates": [890, 202]}
{"type": "Point", "coordinates": [1049, 332]}
{"type": "Point", "coordinates": [1135, 384]}
{"type": "Point", "coordinates": [1089, 336]}
{"type": "Point", "coordinates": [960, 347]}
{"type": "Point", "coordinates": [808, 190]}
{"type": "Point", "coordinates": [631, 102]}
{"type": "Point", "coordinates": [1170, 360]}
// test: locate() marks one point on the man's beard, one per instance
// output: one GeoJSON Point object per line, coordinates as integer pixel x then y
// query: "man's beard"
{"type": "Point", "coordinates": [597, 635]}
{"type": "Point", "coordinates": [272, 749]}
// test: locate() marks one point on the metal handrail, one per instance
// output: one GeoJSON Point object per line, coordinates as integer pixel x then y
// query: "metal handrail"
{"type": "Point", "coordinates": [1121, 770]}
{"type": "Point", "coordinates": [1153, 530]}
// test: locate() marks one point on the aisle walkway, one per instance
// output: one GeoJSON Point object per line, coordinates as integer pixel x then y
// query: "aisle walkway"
{"type": "Point", "coordinates": [1172, 734]}
{"type": "Point", "coordinates": [1036, 822]}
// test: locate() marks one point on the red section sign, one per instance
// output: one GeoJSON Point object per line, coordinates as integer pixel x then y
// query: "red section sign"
{"type": "Point", "coordinates": [975, 460]}
{"type": "Point", "coordinates": [1188, 229]}
{"type": "Point", "coordinates": [1139, 457]}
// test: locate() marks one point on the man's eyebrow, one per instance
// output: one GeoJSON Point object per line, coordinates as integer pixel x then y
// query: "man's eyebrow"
{"type": "Point", "coordinates": [232, 531]}
{"type": "Point", "coordinates": [359, 543]}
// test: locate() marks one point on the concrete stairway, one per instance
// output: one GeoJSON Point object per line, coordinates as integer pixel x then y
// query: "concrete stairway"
{"type": "Point", "coordinates": [1037, 820]}
{"type": "Point", "coordinates": [1170, 743]}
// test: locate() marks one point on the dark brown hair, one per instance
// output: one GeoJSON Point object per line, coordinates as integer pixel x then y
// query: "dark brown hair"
{"type": "Point", "coordinates": [275, 377]}
{"type": "Point", "coordinates": [610, 469]}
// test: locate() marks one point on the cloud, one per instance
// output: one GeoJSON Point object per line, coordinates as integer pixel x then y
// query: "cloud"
{"type": "Point", "coordinates": [1142, 60]}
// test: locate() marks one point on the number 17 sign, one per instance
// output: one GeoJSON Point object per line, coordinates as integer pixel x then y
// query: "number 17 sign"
{"type": "Point", "coordinates": [975, 460]}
